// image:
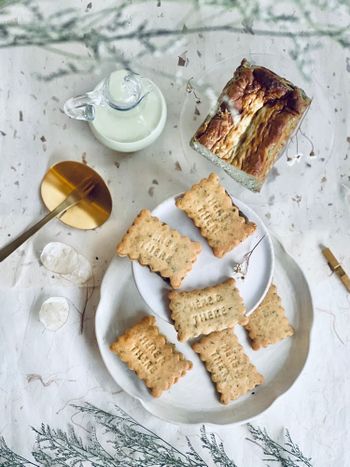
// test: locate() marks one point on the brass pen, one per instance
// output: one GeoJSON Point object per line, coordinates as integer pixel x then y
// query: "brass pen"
{"type": "Point", "coordinates": [336, 267]}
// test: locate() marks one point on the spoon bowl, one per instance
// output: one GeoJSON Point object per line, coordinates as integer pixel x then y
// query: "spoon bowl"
{"type": "Point", "coordinates": [65, 176]}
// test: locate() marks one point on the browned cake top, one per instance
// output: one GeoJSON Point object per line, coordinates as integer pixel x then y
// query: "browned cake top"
{"type": "Point", "coordinates": [268, 108]}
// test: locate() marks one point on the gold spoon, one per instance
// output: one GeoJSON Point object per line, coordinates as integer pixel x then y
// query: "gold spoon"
{"type": "Point", "coordinates": [73, 192]}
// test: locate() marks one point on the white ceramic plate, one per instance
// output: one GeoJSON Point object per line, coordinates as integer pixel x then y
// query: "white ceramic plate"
{"type": "Point", "coordinates": [121, 306]}
{"type": "Point", "coordinates": [209, 270]}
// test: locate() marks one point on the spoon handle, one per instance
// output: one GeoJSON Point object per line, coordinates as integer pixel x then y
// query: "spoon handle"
{"type": "Point", "coordinates": [75, 196]}
{"type": "Point", "coordinates": [12, 246]}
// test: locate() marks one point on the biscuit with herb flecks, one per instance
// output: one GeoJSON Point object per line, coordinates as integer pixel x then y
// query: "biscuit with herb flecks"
{"type": "Point", "coordinates": [164, 250]}
{"type": "Point", "coordinates": [148, 353]}
{"type": "Point", "coordinates": [268, 324]}
{"type": "Point", "coordinates": [214, 213]}
{"type": "Point", "coordinates": [203, 311]}
{"type": "Point", "coordinates": [230, 368]}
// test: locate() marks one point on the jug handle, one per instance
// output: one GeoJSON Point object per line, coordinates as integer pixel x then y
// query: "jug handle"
{"type": "Point", "coordinates": [80, 107]}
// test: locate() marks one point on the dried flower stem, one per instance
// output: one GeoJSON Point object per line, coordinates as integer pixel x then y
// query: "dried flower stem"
{"type": "Point", "coordinates": [118, 440]}
{"type": "Point", "coordinates": [242, 267]}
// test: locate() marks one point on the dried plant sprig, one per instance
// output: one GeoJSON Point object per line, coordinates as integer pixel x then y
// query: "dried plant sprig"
{"type": "Point", "coordinates": [118, 440]}
{"type": "Point", "coordinates": [216, 449]}
{"type": "Point", "coordinates": [9, 458]}
{"type": "Point", "coordinates": [105, 32]}
{"type": "Point", "coordinates": [130, 437]}
{"type": "Point", "coordinates": [241, 269]}
{"type": "Point", "coordinates": [288, 455]}
{"type": "Point", "coordinates": [191, 89]}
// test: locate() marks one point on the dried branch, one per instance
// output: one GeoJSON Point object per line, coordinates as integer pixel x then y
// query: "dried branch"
{"type": "Point", "coordinates": [105, 32]}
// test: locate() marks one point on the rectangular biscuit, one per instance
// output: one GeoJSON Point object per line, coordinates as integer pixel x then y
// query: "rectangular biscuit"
{"type": "Point", "coordinates": [213, 212]}
{"type": "Point", "coordinates": [148, 353]}
{"type": "Point", "coordinates": [164, 250]}
{"type": "Point", "coordinates": [268, 323]}
{"type": "Point", "coordinates": [203, 311]}
{"type": "Point", "coordinates": [230, 369]}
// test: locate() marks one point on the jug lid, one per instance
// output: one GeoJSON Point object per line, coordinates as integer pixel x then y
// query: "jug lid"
{"type": "Point", "coordinates": [123, 89]}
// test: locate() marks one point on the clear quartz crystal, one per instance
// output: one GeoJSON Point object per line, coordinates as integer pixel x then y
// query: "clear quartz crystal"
{"type": "Point", "coordinates": [54, 313]}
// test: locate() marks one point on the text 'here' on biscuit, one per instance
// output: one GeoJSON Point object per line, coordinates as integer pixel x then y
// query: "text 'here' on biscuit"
{"type": "Point", "coordinates": [164, 250]}
{"type": "Point", "coordinates": [148, 353]}
{"type": "Point", "coordinates": [202, 311]}
{"type": "Point", "coordinates": [214, 213]}
{"type": "Point", "coordinates": [230, 368]}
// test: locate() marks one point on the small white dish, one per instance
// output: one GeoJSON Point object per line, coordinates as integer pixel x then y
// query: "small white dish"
{"type": "Point", "coordinates": [281, 364]}
{"type": "Point", "coordinates": [208, 269]}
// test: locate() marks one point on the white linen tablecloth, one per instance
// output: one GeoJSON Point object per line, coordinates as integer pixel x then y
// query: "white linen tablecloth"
{"type": "Point", "coordinates": [42, 372]}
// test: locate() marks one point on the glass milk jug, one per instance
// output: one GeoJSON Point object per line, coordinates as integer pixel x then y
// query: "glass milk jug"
{"type": "Point", "coordinates": [125, 111]}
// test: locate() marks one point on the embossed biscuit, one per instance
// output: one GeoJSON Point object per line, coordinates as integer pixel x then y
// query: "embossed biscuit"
{"type": "Point", "coordinates": [148, 353]}
{"type": "Point", "coordinates": [268, 323]}
{"type": "Point", "coordinates": [230, 368]}
{"type": "Point", "coordinates": [202, 311]}
{"type": "Point", "coordinates": [213, 212]}
{"type": "Point", "coordinates": [164, 250]}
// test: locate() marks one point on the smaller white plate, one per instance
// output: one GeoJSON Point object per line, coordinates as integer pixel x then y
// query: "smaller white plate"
{"type": "Point", "coordinates": [208, 269]}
